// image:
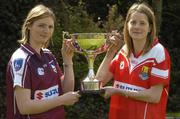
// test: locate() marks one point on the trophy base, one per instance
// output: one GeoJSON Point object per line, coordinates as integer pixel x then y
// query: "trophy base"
{"type": "Point", "coordinates": [90, 85]}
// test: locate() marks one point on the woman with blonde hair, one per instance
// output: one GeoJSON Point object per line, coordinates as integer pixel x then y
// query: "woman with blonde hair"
{"type": "Point", "coordinates": [36, 86]}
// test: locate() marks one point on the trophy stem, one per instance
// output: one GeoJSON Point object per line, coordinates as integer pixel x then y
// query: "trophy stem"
{"type": "Point", "coordinates": [90, 58]}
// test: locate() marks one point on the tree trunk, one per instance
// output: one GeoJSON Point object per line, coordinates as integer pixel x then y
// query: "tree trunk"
{"type": "Point", "coordinates": [64, 16]}
{"type": "Point", "coordinates": [157, 6]}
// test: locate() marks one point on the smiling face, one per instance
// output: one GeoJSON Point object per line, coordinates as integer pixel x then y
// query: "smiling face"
{"type": "Point", "coordinates": [138, 26]}
{"type": "Point", "coordinates": [41, 31]}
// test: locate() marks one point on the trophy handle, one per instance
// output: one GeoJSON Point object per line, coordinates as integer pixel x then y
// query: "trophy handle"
{"type": "Point", "coordinates": [65, 35]}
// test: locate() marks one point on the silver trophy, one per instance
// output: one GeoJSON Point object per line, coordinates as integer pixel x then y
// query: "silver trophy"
{"type": "Point", "coordinates": [90, 45]}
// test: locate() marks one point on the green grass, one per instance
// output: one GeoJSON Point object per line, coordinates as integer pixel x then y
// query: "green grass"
{"type": "Point", "coordinates": [173, 114]}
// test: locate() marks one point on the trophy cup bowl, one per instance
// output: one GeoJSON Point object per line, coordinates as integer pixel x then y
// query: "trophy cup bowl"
{"type": "Point", "coordinates": [90, 45]}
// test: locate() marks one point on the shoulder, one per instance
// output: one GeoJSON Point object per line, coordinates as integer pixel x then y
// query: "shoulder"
{"type": "Point", "coordinates": [122, 53]}
{"type": "Point", "coordinates": [48, 53]}
{"type": "Point", "coordinates": [19, 54]}
{"type": "Point", "coordinates": [158, 52]}
{"type": "Point", "coordinates": [19, 59]}
{"type": "Point", "coordinates": [124, 50]}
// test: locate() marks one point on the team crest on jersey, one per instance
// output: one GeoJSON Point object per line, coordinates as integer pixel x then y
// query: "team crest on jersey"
{"type": "Point", "coordinates": [121, 65]}
{"type": "Point", "coordinates": [18, 64]}
{"type": "Point", "coordinates": [144, 73]}
{"type": "Point", "coordinates": [40, 71]}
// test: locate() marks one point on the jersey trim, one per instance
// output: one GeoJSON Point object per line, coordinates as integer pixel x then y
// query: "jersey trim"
{"type": "Point", "coordinates": [160, 73]}
{"type": "Point", "coordinates": [28, 50]}
{"type": "Point", "coordinates": [145, 111]}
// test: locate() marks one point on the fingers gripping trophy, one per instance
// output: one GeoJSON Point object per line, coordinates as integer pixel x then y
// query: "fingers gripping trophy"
{"type": "Point", "coordinates": [90, 45]}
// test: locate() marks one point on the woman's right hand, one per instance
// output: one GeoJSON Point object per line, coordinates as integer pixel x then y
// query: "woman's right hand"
{"type": "Point", "coordinates": [67, 49]}
{"type": "Point", "coordinates": [115, 40]}
{"type": "Point", "coordinates": [70, 98]}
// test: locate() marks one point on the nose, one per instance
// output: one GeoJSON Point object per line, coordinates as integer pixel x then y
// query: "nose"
{"type": "Point", "coordinates": [137, 25]}
{"type": "Point", "coordinates": [46, 29]}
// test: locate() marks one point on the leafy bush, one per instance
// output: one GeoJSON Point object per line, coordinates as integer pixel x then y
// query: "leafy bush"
{"type": "Point", "coordinates": [72, 17]}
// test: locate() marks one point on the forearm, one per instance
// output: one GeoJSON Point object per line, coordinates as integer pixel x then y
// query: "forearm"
{"type": "Point", "coordinates": [103, 73]}
{"type": "Point", "coordinates": [36, 106]}
{"type": "Point", "coordinates": [67, 54]}
{"type": "Point", "coordinates": [26, 105]}
{"type": "Point", "coordinates": [68, 82]}
{"type": "Point", "coordinates": [151, 95]}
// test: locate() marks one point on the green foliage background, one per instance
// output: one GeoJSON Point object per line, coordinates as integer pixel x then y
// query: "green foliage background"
{"type": "Point", "coordinates": [86, 16]}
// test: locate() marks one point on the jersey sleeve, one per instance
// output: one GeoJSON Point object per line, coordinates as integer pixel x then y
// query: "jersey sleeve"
{"type": "Point", "coordinates": [21, 73]}
{"type": "Point", "coordinates": [113, 63]}
{"type": "Point", "coordinates": [160, 72]}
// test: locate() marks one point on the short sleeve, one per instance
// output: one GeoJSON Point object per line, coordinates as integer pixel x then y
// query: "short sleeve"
{"type": "Point", "coordinates": [21, 73]}
{"type": "Point", "coordinates": [113, 64]}
{"type": "Point", "coordinates": [160, 72]}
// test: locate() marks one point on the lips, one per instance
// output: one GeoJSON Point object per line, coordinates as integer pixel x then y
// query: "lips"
{"type": "Point", "coordinates": [135, 32]}
{"type": "Point", "coordinates": [43, 36]}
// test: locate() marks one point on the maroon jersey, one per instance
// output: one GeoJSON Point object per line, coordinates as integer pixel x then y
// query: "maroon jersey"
{"type": "Point", "coordinates": [40, 74]}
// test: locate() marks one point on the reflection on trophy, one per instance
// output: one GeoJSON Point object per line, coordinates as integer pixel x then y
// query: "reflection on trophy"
{"type": "Point", "coordinates": [90, 45]}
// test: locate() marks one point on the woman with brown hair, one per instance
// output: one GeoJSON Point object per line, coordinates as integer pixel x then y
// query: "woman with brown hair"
{"type": "Point", "coordinates": [141, 70]}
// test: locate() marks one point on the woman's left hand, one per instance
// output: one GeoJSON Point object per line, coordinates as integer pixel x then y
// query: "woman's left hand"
{"type": "Point", "coordinates": [115, 40]}
{"type": "Point", "coordinates": [109, 90]}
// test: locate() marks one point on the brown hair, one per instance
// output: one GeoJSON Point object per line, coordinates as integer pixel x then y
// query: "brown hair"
{"type": "Point", "coordinates": [145, 9]}
{"type": "Point", "coordinates": [36, 13]}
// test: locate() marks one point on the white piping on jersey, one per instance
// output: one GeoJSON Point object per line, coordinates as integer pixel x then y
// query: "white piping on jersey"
{"type": "Point", "coordinates": [160, 73]}
{"type": "Point", "coordinates": [27, 49]}
{"type": "Point", "coordinates": [145, 111]}
{"type": "Point", "coordinates": [124, 55]}
{"type": "Point", "coordinates": [51, 62]}
{"type": "Point", "coordinates": [166, 91]}
{"type": "Point", "coordinates": [45, 50]}
{"type": "Point", "coordinates": [24, 75]}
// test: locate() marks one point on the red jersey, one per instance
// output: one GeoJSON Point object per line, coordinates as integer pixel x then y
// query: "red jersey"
{"type": "Point", "coordinates": [39, 74]}
{"type": "Point", "coordinates": [139, 73]}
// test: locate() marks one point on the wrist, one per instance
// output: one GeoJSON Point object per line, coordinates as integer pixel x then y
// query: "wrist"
{"type": "Point", "coordinates": [67, 64]}
{"type": "Point", "coordinates": [67, 61]}
{"type": "Point", "coordinates": [110, 55]}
